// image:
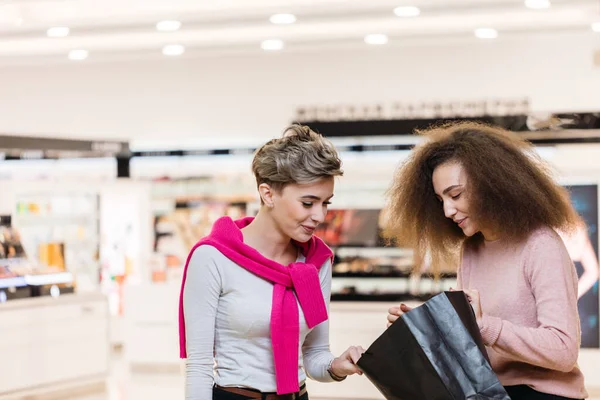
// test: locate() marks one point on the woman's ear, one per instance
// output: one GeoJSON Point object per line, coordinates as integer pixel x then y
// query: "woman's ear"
{"type": "Point", "coordinates": [266, 194]}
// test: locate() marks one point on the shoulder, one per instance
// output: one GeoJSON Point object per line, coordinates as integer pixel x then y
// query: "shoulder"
{"type": "Point", "coordinates": [207, 255]}
{"type": "Point", "coordinates": [206, 250]}
{"type": "Point", "coordinates": [544, 239]}
{"type": "Point", "coordinates": [205, 267]}
{"type": "Point", "coordinates": [544, 248]}
{"type": "Point", "coordinates": [325, 268]}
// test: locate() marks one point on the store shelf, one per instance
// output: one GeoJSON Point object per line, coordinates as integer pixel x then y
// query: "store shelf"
{"type": "Point", "coordinates": [381, 297]}
{"type": "Point", "coordinates": [392, 274]}
{"type": "Point", "coordinates": [372, 275]}
{"type": "Point", "coordinates": [372, 252]}
{"type": "Point", "coordinates": [15, 282]}
{"type": "Point", "coordinates": [49, 279]}
{"type": "Point", "coordinates": [69, 219]}
{"type": "Point", "coordinates": [381, 289]}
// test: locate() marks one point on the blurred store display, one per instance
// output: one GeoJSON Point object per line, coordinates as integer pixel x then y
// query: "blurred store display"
{"type": "Point", "coordinates": [184, 211]}
{"type": "Point", "coordinates": [368, 268]}
{"type": "Point", "coordinates": [22, 276]}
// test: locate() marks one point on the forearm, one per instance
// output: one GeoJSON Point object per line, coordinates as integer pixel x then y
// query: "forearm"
{"type": "Point", "coordinates": [546, 347]}
{"type": "Point", "coordinates": [199, 380]}
{"type": "Point", "coordinates": [316, 363]}
{"type": "Point", "coordinates": [586, 282]}
{"type": "Point", "coordinates": [200, 304]}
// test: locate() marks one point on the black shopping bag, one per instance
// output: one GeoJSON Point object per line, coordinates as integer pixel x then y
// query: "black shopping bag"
{"type": "Point", "coordinates": [433, 352]}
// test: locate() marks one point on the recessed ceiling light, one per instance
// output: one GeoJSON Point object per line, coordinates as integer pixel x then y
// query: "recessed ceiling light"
{"type": "Point", "coordinates": [376, 38]}
{"type": "Point", "coordinates": [408, 11]}
{"type": "Point", "coordinates": [173, 50]}
{"type": "Point", "coordinates": [168, 26]}
{"type": "Point", "coordinates": [78, 55]}
{"type": "Point", "coordinates": [596, 27]}
{"type": "Point", "coordinates": [486, 33]}
{"type": "Point", "coordinates": [272, 44]}
{"type": "Point", "coordinates": [283, 19]}
{"type": "Point", "coordinates": [58, 32]}
{"type": "Point", "coordinates": [537, 4]}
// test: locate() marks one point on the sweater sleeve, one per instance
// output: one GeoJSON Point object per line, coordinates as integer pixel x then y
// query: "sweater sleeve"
{"type": "Point", "coordinates": [315, 349]}
{"type": "Point", "coordinates": [554, 343]}
{"type": "Point", "coordinates": [200, 299]}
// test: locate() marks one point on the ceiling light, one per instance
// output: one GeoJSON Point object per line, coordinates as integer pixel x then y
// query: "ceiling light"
{"type": "Point", "coordinates": [78, 55]}
{"type": "Point", "coordinates": [173, 50]}
{"type": "Point", "coordinates": [409, 11]}
{"type": "Point", "coordinates": [168, 26]}
{"type": "Point", "coordinates": [283, 19]}
{"type": "Point", "coordinates": [272, 44]}
{"type": "Point", "coordinates": [486, 33]}
{"type": "Point", "coordinates": [376, 38]}
{"type": "Point", "coordinates": [58, 32]}
{"type": "Point", "coordinates": [537, 4]}
{"type": "Point", "coordinates": [596, 27]}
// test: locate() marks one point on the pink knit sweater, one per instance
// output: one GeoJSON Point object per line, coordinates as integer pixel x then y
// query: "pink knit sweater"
{"type": "Point", "coordinates": [530, 324]}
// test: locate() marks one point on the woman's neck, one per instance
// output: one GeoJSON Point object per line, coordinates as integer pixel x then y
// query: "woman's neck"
{"type": "Point", "coordinates": [265, 236]}
{"type": "Point", "coordinates": [490, 236]}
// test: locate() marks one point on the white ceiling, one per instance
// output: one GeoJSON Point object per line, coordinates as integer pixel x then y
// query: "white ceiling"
{"type": "Point", "coordinates": [111, 29]}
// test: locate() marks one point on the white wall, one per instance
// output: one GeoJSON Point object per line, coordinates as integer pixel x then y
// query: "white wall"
{"type": "Point", "coordinates": [254, 96]}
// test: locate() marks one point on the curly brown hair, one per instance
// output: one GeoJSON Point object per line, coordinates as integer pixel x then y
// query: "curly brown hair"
{"type": "Point", "coordinates": [511, 192]}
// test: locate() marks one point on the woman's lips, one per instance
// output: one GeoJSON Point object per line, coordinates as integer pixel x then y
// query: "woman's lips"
{"type": "Point", "coordinates": [309, 229]}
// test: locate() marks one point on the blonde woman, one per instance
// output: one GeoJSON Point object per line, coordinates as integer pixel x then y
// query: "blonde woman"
{"type": "Point", "coordinates": [255, 295]}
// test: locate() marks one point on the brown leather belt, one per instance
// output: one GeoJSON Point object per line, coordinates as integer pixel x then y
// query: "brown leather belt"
{"type": "Point", "coordinates": [255, 394]}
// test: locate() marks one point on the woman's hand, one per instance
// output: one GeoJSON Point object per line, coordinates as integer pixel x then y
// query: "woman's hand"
{"type": "Point", "coordinates": [345, 364]}
{"type": "Point", "coordinates": [473, 296]}
{"type": "Point", "coordinates": [396, 312]}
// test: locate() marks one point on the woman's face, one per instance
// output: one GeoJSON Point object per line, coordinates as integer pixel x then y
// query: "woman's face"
{"type": "Point", "coordinates": [450, 184]}
{"type": "Point", "coordinates": [299, 208]}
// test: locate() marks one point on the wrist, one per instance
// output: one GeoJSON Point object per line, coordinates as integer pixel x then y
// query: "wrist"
{"type": "Point", "coordinates": [334, 371]}
{"type": "Point", "coordinates": [490, 329]}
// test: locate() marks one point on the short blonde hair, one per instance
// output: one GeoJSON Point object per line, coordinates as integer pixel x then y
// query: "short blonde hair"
{"type": "Point", "coordinates": [300, 156]}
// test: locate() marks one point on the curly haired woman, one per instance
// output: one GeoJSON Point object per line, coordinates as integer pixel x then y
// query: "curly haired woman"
{"type": "Point", "coordinates": [482, 193]}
